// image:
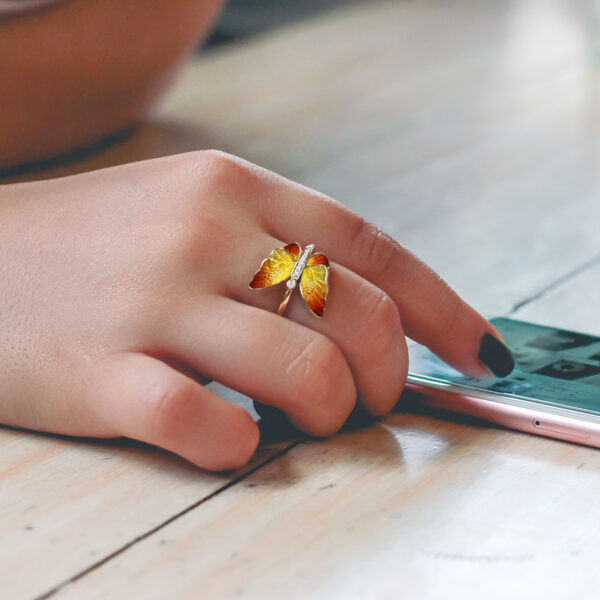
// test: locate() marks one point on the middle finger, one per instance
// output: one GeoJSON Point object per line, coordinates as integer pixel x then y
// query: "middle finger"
{"type": "Point", "coordinates": [360, 318]}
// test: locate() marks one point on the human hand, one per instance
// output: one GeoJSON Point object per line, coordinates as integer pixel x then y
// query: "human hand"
{"type": "Point", "coordinates": [124, 289]}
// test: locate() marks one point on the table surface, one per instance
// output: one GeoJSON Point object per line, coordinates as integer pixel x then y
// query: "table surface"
{"type": "Point", "coordinates": [470, 131]}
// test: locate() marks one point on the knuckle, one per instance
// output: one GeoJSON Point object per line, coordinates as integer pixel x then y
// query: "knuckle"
{"type": "Point", "coordinates": [213, 172]}
{"type": "Point", "coordinates": [203, 236]}
{"type": "Point", "coordinates": [225, 184]}
{"type": "Point", "coordinates": [382, 327]}
{"type": "Point", "coordinates": [311, 366]}
{"type": "Point", "coordinates": [168, 403]}
{"type": "Point", "coordinates": [194, 226]}
{"type": "Point", "coordinates": [224, 174]}
{"type": "Point", "coordinates": [383, 348]}
{"type": "Point", "coordinates": [320, 377]}
{"type": "Point", "coordinates": [219, 161]}
{"type": "Point", "coordinates": [376, 247]}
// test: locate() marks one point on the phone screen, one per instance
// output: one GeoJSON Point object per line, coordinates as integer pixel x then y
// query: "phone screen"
{"type": "Point", "coordinates": [553, 366]}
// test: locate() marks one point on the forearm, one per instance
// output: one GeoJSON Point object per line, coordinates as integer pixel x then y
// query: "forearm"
{"type": "Point", "coordinates": [80, 71]}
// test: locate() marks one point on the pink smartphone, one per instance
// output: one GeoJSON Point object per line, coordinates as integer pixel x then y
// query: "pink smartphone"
{"type": "Point", "coordinates": [553, 391]}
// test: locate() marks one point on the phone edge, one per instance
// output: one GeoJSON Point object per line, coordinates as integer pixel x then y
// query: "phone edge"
{"type": "Point", "coordinates": [520, 418]}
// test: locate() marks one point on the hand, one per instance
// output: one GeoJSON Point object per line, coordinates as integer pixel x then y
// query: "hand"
{"type": "Point", "coordinates": [123, 289]}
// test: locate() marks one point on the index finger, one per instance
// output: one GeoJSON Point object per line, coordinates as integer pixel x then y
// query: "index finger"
{"type": "Point", "coordinates": [432, 313]}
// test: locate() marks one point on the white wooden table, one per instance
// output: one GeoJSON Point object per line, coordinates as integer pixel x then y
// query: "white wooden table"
{"type": "Point", "coordinates": [470, 131]}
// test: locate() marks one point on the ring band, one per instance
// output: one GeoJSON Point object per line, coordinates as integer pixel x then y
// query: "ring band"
{"type": "Point", "coordinates": [284, 302]}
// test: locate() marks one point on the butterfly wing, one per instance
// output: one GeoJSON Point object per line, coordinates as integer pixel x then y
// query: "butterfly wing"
{"type": "Point", "coordinates": [293, 250]}
{"type": "Point", "coordinates": [317, 259]}
{"type": "Point", "coordinates": [313, 286]}
{"type": "Point", "coordinates": [274, 269]}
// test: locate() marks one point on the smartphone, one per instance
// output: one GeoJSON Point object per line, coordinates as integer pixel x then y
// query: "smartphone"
{"type": "Point", "coordinates": [553, 391]}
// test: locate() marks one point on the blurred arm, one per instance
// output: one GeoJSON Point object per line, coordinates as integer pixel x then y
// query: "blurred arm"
{"type": "Point", "coordinates": [77, 72]}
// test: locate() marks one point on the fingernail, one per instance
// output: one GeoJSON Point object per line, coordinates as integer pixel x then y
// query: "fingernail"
{"type": "Point", "coordinates": [496, 356]}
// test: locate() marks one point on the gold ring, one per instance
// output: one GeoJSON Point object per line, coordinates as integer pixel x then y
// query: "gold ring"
{"type": "Point", "coordinates": [297, 266]}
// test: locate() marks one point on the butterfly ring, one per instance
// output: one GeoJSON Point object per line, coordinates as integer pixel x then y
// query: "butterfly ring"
{"type": "Point", "coordinates": [294, 264]}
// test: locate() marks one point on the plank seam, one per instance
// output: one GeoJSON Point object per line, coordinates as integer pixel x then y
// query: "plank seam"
{"type": "Point", "coordinates": [592, 262]}
{"type": "Point", "coordinates": [165, 523]}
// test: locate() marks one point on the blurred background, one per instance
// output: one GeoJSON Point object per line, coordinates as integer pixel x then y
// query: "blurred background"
{"type": "Point", "coordinates": [242, 18]}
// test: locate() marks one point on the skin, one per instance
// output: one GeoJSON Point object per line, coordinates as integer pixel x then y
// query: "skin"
{"type": "Point", "coordinates": [82, 70]}
{"type": "Point", "coordinates": [125, 289]}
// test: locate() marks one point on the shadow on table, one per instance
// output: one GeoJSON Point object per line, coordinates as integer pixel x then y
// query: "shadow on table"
{"type": "Point", "coordinates": [410, 403]}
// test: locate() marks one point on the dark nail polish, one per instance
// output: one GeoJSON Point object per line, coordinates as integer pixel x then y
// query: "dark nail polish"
{"type": "Point", "coordinates": [496, 356]}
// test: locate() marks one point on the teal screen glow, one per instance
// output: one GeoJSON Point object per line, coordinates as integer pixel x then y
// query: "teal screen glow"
{"type": "Point", "coordinates": [553, 366]}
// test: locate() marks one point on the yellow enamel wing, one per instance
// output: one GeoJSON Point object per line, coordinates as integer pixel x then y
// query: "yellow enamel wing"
{"type": "Point", "coordinates": [290, 262]}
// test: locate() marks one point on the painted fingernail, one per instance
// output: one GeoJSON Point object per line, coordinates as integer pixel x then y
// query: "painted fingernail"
{"type": "Point", "coordinates": [496, 356]}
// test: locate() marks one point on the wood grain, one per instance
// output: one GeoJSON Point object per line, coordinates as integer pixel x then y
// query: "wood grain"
{"type": "Point", "coordinates": [470, 132]}
{"type": "Point", "coordinates": [66, 504]}
{"type": "Point", "coordinates": [411, 508]}
{"type": "Point", "coordinates": [573, 304]}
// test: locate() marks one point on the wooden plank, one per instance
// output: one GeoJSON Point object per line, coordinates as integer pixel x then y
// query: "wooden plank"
{"type": "Point", "coordinates": [578, 297]}
{"type": "Point", "coordinates": [475, 146]}
{"type": "Point", "coordinates": [68, 503]}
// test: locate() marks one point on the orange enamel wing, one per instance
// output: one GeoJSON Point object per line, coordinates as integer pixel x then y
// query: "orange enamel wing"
{"type": "Point", "coordinates": [277, 267]}
{"type": "Point", "coordinates": [317, 259]}
{"type": "Point", "coordinates": [313, 283]}
{"type": "Point", "coordinates": [293, 250]}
